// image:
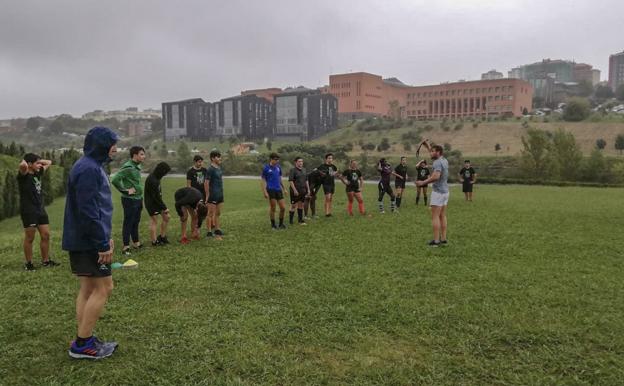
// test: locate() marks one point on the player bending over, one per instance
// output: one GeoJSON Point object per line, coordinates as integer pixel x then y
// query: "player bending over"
{"type": "Point", "coordinates": [189, 203]}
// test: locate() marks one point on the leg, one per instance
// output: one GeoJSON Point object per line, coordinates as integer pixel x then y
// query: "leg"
{"type": "Point", "coordinates": [300, 212]}
{"type": "Point", "coordinates": [44, 242]}
{"type": "Point", "coordinates": [183, 220]}
{"type": "Point", "coordinates": [443, 223]}
{"type": "Point", "coordinates": [152, 227]}
{"type": "Point", "coordinates": [313, 204]}
{"type": "Point", "coordinates": [291, 211]}
{"type": "Point", "coordinates": [418, 190]}
{"type": "Point", "coordinates": [217, 216]}
{"type": "Point", "coordinates": [272, 204]}
{"type": "Point", "coordinates": [350, 196]}
{"type": "Point", "coordinates": [127, 221]}
{"type": "Point", "coordinates": [435, 221]}
{"type": "Point", "coordinates": [86, 289]}
{"type": "Point", "coordinates": [425, 194]}
{"type": "Point", "coordinates": [138, 208]}
{"type": "Point", "coordinates": [306, 205]}
{"type": "Point", "coordinates": [380, 188]}
{"type": "Point", "coordinates": [392, 197]}
{"type": "Point", "coordinates": [94, 305]}
{"type": "Point", "coordinates": [164, 224]}
{"type": "Point", "coordinates": [29, 238]}
{"type": "Point", "coordinates": [399, 194]}
{"type": "Point", "coordinates": [282, 211]}
{"type": "Point", "coordinates": [360, 200]}
{"type": "Point", "coordinates": [328, 203]}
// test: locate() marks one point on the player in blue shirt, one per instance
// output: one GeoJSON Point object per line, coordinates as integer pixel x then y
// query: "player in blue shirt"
{"type": "Point", "coordinates": [273, 189]}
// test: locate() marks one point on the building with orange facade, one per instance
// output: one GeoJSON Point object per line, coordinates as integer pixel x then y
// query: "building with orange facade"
{"type": "Point", "coordinates": [361, 94]}
{"type": "Point", "coordinates": [481, 98]}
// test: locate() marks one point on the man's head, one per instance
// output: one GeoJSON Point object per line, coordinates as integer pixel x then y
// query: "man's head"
{"type": "Point", "coordinates": [198, 160]}
{"type": "Point", "coordinates": [274, 159]}
{"type": "Point", "coordinates": [403, 161]}
{"type": "Point", "coordinates": [353, 164]}
{"type": "Point", "coordinates": [215, 157]}
{"type": "Point", "coordinates": [436, 151]}
{"type": "Point", "coordinates": [382, 162]}
{"type": "Point", "coordinates": [329, 158]}
{"type": "Point", "coordinates": [299, 162]}
{"type": "Point", "coordinates": [467, 163]}
{"type": "Point", "coordinates": [137, 154]}
{"type": "Point", "coordinates": [33, 162]}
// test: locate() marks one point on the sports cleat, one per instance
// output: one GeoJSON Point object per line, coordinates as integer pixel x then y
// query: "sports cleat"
{"type": "Point", "coordinates": [29, 266]}
{"type": "Point", "coordinates": [434, 244]}
{"type": "Point", "coordinates": [184, 240]}
{"type": "Point", "coordinates": [49, 263]}
{"type": "Point", "coordinates": [302, 223]}
{"type": "Point", "coordinates": [328, 215]}
{"type": "Point", "coordinates": [126, 251]}
{"type": "Point", "coordinates": [218, 232]}
{"type": "Point", "coordinates": [163, 240]}
{"type": "Point", "coordinates": [209, 234]}
{"type": "Point", "coordinates": [443, 242]}
{"type": "Point", "coordinates": [274, 227]}
{"type": "Point", "coordinates": [157, 243]}
{"type": "Point", "coordinates": [93, 349]}
{"type": "Point", "coordinates": [137, 247]}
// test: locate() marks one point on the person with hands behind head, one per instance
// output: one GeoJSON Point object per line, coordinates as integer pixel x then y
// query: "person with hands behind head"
{"type": "Point", "coordinates": [32, 210]}
{"type": "Point", "coordinates": [352, 178]}
{"type": "Point", "coordinates": [422, 173]}
{"type": "Point", "coordinates": [87, 237]}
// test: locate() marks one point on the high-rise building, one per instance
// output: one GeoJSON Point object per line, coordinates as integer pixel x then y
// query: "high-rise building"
{"type": "Point", "coordinates": [245, 116]}
{"type": "Point", "coordinates": [481, 98]}
{"type": "Point", "coordinates": [302, 114]}
{"type": "Point", "coordinates": [182, 119]}
{"type": "Point", "coordinates": [492, 74]}
{"type": "Point", "coordinates": [616, 70]}
{"type": "Point", "coordinates": [586, 72]}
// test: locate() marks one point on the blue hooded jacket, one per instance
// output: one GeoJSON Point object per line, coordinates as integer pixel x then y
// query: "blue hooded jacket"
{"type": "Point", "coordinates": [89, 205]}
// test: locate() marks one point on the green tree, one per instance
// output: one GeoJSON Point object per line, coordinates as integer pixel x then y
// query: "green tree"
{"type": "Point", "coordinates": [603, 92]}
{"type": "Point", "coordinates": [619, 92]}
{"type": "Point", "coordinates": [576, 109]}
{"type": "Point", "coordinates": [384, 145]}
{"type": "Point", "coordinates": [33, 123]}
{"type": "Point", "coordinates": [619, 142]}
{"type": "Point", "coordinates": [184, 155]}
{"type": "Point", "coordinates": [601, 144]}
{"type": "Point", "coordinates": [497, 148]}
{"type": "Point", "coordinates": [163, 152]}
{"type": "Point", "coordinates": [585, 88]}
{"type": "Point", "coordinates": [394, 109]}
{"type": "Point", "coordinates": [596, 169]}
{"type": "Point", "coordinates": [56, 127]}
{"type": "Point", "coordinates": [46, 188]}
{"type": "Point", "coordinates": [535, 153]}
{"type": "Point", "coordinates": [567, 153]}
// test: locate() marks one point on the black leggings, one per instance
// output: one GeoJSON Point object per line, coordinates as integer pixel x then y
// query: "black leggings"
{"type": "Point", "coordinates": [384, 187]}
{"type": "Point", "coordinates": [132, 217]}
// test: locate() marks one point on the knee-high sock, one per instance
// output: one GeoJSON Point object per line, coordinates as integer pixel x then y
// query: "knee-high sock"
{"type": "Point", "coordinates": [361, 207]}
{"type": "Point", "coordinates": [350, 207]}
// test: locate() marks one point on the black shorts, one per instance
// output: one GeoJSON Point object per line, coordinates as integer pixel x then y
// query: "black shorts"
{"type": "Point", "coordinates": [467, 187]}
{"type": "Point", "coordinates": [276, 194]}
{"type": "Point", "coordinates": [215, 199]}
{"type": "Point", "coordinates": [329, 188]}
{"type": "Point", "coordinates": [34, 219]}
{"type": "Point", "coordinates": [298, 198]}
{"type": "Point", "coordinates": [399, 184]}
{"type": "Point", "coordinates": [153, 211]}
{"type": "Point", "coordinates": [314, 189]}
{"type": "Point", "coordinates": [353, 189]}
{"type": "Point", "coordinates": [85, 263]}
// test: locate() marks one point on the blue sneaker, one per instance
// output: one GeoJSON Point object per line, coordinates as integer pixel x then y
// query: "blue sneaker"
{"type": "Point", "coordinates": [93, 349]}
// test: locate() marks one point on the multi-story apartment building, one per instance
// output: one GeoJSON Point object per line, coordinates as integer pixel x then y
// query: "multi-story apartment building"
{"type": "Point", "coordinates": [482, 98]}
{"type": "Point", "coordinates": [181, 121]}
{"type": "Point", "coordinates": [245, 116]}
{"type": "Point", "coordinates": [616, 70]}
{"type": "Point", "coordinates": [586, 72]}
{"type": "Point", "coordinates": [492, 74]}
{"type": "Point", "coordinates": [302, 114]}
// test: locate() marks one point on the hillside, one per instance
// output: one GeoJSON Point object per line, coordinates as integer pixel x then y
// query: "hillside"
{"type": "Point", "coordinates": [480, 141]}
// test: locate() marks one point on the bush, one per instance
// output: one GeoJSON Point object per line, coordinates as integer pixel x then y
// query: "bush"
{"type": "Point", "coordinates": [577, 109]}
{"type": "Point", "coordinates": [459, 126]}
{"type": "Point", "coordinates": [601, 144]}
{"type": "Point", "coordinates": [475, 125]}
{"type": "Point", "coordinates": [407, 146]}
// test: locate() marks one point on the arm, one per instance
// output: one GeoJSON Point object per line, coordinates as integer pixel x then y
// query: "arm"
{"type": "Point", "coordinates": [474, 178]}
{"type": "Point", "coordinates": [308, 187]}
{"type": "Point", "coordinates": [263, 186]}
{"type": "Point", "coordinates": [426, 144]}
{"type": "Point", "coordinates": [118, 182]}
{"type": "Point", "coordinates": [432, 178]}
{"type": "Point", "coordinates": [188, 183]}
{"type": "Point", "coordinates": [206, 187]}
{"type": "Point", "coordinates": [23, 167]}
{"type": "Point", "coordinates": [461, 176]}
{"type": "Point", "coordinates": [397, 175]}
{"type": "Point", "coordinates": [45, 164]}
{"type": "Point", "coordinates": [87, 193]}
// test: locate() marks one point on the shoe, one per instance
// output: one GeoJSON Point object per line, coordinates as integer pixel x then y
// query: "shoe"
{"type": "Point", "coordinates": [209, 234]}
{"type": "Point", "coordinates": [184, 240]}
{"type": "Point", "coordinates": [49, 263]}
{"type": "Point", "coordinates": [137, 247]}
{"type": "Point", "coordinates": [328, 215]}
{"type": "Point", "coordinates": [29, 266]}
{"type": "Point", "coordinates": [281, 226]}
{"type": "Point", "coordinates": [443, 242]}
{"type": "Point", "coordinates": [434, 244]}
{"type": "Point", "coordinates": [274, 227]}
{"type": "Point", "coordinates": [112, 343]}
{"type": "Point", "coordinates": [315, 217]}
{"type": "Point", "coordinates": [302, 223]}
{"type": "Point", "coordinates": [163, 240]}
{"type": "Point", "coordinates": [195, 237]}
{"type": "Point", "coordinates": [126, 251]}
{"type": "Point", "coordinates": [218, 232]}
{"type": "Point", "coordinates": [382, 211]}
{"type": "Point", "coordinates": [156, 243]}
{"type": "Point", "coordinates": [93, 349]}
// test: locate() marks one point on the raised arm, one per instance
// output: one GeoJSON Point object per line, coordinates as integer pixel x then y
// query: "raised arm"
{"type": "Point", "coordinates": [23, 167]}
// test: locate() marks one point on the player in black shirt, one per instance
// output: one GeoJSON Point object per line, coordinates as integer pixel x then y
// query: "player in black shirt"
{"type": "Point", "coordinates": [328, 171]}
{"type": "Point", "coordinates": [468, 177]}
{"type": "Point", "coordinates": [299, 190]}
{"type": "Point", "coordinates": [315, 180]}
{"type": "Point", "coordinates": [385, 169]}
{"type": "Point", "coordinates": [422, 173]}
{"type": "Point", "coordinates": [352, 178]}
{"type": "Point", "coordinates": [189, 202]}
{"type": "Point", "coordinates": [155, 205]}
{"type": "Point", "coordinates": [197, 177]}
{"type": "Point", "coordinates": [399, 181]}
{"type": "Point", "coordinates": [32, 210]}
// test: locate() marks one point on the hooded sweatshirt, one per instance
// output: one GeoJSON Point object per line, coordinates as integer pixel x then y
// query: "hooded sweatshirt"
{"type": "Point", "coordinates": [153, 192]}
{"type": "Point", "coordinates": [129, 176]}
{"type": "Point", "coordinates": [89, 206]}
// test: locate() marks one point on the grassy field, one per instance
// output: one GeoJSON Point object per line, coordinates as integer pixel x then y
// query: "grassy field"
{"type": "Point", "coordinates": [529, 291]}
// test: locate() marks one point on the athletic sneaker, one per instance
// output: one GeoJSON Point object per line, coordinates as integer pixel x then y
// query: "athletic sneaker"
{"type": "Point", "coordinates": [49, 263]}
{"type": "Point", "coordinates": [137, 247]}
{"type": "Point", "coordinates": [93, 349]}
{"type": "Point", "coordinates": [443, 242]}
{"type": "Point", "coordinates": [274, 227]}
{"type": "Point", "coordinates": [302, 223]}
{"type": "Point", "coordinates": [184, 240]}
{"type": "Point", "coordinates": [156, 243]}
{"type": "Point", "coordinates": [382, 211]}
{"type": "Point", "coordinates": [209, 234]}
{"type": "Point", "coordinates": [328, 215]}
{"type": "Point", "coordinates": [218, 232]}
{"type": "Point", "coordinates": [282, 226]}
{"type": "Point", "coordinates": [29, 266]}
{"type": "Point", "coordinates": [163, 240]}
{"type": "Point", "coordinates": [434, 244]}
{"type": "Point", "coordinates": [126, 251]}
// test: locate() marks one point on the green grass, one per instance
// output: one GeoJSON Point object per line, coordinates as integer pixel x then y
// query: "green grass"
{"type": "Point", "coordinates": [530, 291]}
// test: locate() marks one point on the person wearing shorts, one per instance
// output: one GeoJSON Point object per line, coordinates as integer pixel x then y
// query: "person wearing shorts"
{"type": "Point", "coordinates": [32, 210]}
{"type": "Point", "coordinates": [299, 188]}
{"type": "Point", "coordinates": [197, 177]}
{"type": "Point", "coordinates": [215, 195]}
{"type": "Point", "coordinates": [315, 181]}
{"type": "Point", "coordinates": [87, 237]}
{"type": "Point", "coordinates": [352, 178]}
{"type": "Point", "coordinates": [386, 172]}
{"type": "Point", "coordinates": [468, 177]}
{"type": "Point", "coordinates": [155, 205]}
{"type": "Point", "coordinates": [189, 202]}
{"type": "Point", "coordinates": [400, 180]}
{"type": "Point", "coordinates": [422, 173]}
{"type": "Point", "coordinates": [273, 189]}
{"type": "Point", "coordinates": [328, 171]}
{"type": "Point", "coordinates": [439, 195]}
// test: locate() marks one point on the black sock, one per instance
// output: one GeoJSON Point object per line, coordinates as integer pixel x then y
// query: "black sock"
{"type": "Point", "coordinates": [300, 214]}
{"type": "Point", "coordinates": [281, 221]}
{"type": "Point", "coordinates": [272, 223]}
{"type": "Point", "coordinates": [425, 200]}
{"type": "Point", "coordinates": [80, 342]}
{"type": "Point", "coordinates": [417, 199]}
{"type": "Point", "coordinates": [398, 202]}
{"type": "Point", "coordinates": [291, 216]}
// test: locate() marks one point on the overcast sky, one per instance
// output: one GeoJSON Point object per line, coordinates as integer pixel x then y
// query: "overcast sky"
{"type": "Point", "coordinates": [66, 56]}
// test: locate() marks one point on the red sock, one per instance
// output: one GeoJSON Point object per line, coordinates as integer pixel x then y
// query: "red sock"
{"type": "Point", "coordinates": [350, 207]}
{"type": "Point", "coordinates": [361, 207]}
